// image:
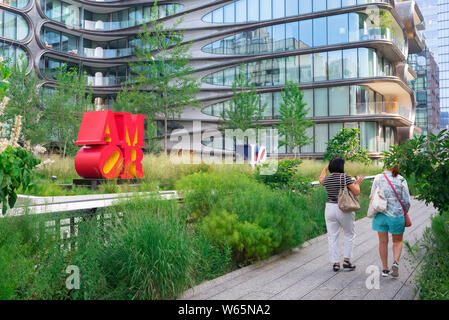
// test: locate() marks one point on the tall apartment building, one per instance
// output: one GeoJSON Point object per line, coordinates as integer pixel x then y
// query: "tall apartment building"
{"type": "Point", "coordinates": [427, 91]}
{"type": "Point", "coordinates": [348, 56]}
{"type": "Point", "coordinates": [443, 60]}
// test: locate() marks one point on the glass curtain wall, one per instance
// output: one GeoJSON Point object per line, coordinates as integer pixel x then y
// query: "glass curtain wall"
{"type": "Point", "coordinates": [316, 67]}
{"type": "Point", "coordinates": [258, 10]}
{"type": "Point", "coordinates": [330, 30]}
{"type": "Point", "coordinates": [321, 102]}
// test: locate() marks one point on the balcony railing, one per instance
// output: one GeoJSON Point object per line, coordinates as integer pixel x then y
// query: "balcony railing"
{"type": "Point", "coordinates": [382, 108]}
{"type": "Point", "coordinates": [99, 81]}
{"type": "Point", "coordinates": [107, 53]}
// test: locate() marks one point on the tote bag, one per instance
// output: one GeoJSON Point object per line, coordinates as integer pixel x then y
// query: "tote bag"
{"type": "Point", "coordinates": [378, 203]}
{"type": "Point", "coordinates": [347, 201]}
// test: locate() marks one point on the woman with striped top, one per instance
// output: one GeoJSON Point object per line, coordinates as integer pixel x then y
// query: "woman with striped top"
{"type": "Point", "coordinates": [335, 218]}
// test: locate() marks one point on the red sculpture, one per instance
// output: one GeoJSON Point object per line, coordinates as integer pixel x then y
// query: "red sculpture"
{"type": "Point", "coordinates": [113, 142]}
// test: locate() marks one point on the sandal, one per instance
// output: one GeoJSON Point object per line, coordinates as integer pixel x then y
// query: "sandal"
{"type": "Point", "coordinates": [348, 265]}
{"type": "Point", "coordinates": [336, 266]}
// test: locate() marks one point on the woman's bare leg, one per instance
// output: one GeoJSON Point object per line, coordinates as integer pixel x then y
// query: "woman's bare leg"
{"type": "Point", "coordinates": [383, 249]}
{"type": "Point", "coordinates": [397, 246]}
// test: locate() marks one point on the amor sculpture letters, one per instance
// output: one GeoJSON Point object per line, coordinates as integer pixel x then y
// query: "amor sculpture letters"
{"type": "Point", "coordinates": [112, 145]}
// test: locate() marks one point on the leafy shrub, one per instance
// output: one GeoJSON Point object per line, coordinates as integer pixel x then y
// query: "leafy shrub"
{"type": "Point", "coordinates": [247, 240]}
{"type": "Point", "coordinates": [254, 211]}
{"type": "Point", "coordinates": [346, 144]}
{"type": "Point", "coordinates": [427, 159]}
{"type": "Point", "coordinates": [433, 278]}
{"type": "Point", "coordinates": [283, 177]}
{"type": "Point", "coordinates": [16, 165]}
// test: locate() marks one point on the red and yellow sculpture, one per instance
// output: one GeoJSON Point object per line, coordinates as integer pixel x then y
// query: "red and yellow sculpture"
{"type": "Point", "coordinates": [112, 145]}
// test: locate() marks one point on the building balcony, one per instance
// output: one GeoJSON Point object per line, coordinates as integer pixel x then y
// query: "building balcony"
{"type": "Point", "coordinates": [100, 53]}
{"type": "Point", "coordinates": [98, 80]}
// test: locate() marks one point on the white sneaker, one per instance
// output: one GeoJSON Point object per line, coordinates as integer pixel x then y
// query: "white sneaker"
{"type": "Point", "coordinates": [385, 273]}
{"type": "Point", "coordinates": [395, 270]}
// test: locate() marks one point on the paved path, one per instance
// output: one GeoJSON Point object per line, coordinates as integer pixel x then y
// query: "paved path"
{"type": "Point", "coordinates": [305, 273]}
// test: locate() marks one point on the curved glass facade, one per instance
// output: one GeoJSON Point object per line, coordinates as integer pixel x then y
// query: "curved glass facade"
{"type": "Point", "coordinates": [243, 11]}
{"type": "Point", "coordinates": [15, 3]}
{"type": "Point", "coordinates": [96, 76]}
{"type": "Point", "coordinates": [320, 135]}
{"type": "Point", "coordinates": [65, 42]}
{"type": "Point", "coordinates": [331, 30]}
{"type": "Point", "coordinates": [13, 26]}
{"type": "Point", "coordinates": [12, 54]}
{"type": "Point", "coordinates": [306, 68]}
{"type": "Point", "coordinates": [70, 15]}
{"type": "Point", "coordinates": [321, 102]}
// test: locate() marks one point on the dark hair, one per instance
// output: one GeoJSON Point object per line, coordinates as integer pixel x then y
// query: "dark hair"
{"type": "Point", "coordinates": [337, 164]}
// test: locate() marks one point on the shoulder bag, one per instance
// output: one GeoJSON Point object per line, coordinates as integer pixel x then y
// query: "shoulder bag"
{"type": "Point", "coordinates": [347, 201]}
{"type": "Point", "coordinates": [378, 203]}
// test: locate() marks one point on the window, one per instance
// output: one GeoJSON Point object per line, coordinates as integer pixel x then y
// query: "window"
{"type": "Point", "coordinates": [333, 4]}
{"type": "Point", "coordinates": [308, 98]}
{"type": "Point", "coordinates": [265, 9]}
{"type": "Point", "coordinates": [339, 101]}
{"type": "Point", "coordinates": [319, 5]}
{"type": "Point", "coordinates": [320, 102]}
{"type": "Point", "coordinates": [308, 148]}
{"type": "Point", "coordinates": [240, 11]}
{"type": "Point", "coordinates": [279, 37]}
{"type": "Point", "coordinates": [305, 34]}
{"type": "Point", "coordinates": [305, 62]}
{"type": "Point", "coordinates": [321, 137]}
{"type": "Point", "coordinates": [337, 31]}
{"type": "Point", "coordinates": [229, 13]}
{"type": "Point", "coordinates": [278, 9]}
{"type": "Point", "coordinates": [291, 7]}
{"type": "Point", "coordinates": [292, 36]}
{"type": "Point", "coordinates": [319, 32]}
{"type": "Point", "coordinates": [320, 66]}
{"type": "Point", "coordinates": [253, 10]}
{"type": "Point", "coordinates": [368, 136]}
{"type": "Point", "coordinates": [292, 65]}
{"type": "Point", "coordinates": [335, 65]}
{"type": "Point", "coordinates": [334, 129]}
{"type": "Point", "coordinates": [350, 63]}
{"type": "Point", "coordinates": [305, 6]}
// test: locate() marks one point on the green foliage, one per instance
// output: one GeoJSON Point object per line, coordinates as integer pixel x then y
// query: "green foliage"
{"type": "Point", "coordinates": [248, 240]}
{"type": "Point", "coordinates": [16, 171]}
{"type": "Point", "coordinates": [263, 221]}
{"type": "Point", "coordinates": [244, 110]}
{"type": "Point", "coordinates": [346, 144]}
{"type": "Point", "coordinates": [161, 79]}
{"type": "Point", "coordinates": [5, 73]}
{"type": "Point", "coordinates": [293, 123]}
{"type": "Point", "coordinates": [23, 92]}
{"type": "Point", "coordinates": [427, 159]}
{"type": "Point", "coordinates": [285, 177]}
{"type": "Point", "coordinates": [149, 253]}
{"type": "Point", "coordinates": [64, 108]}
{"type": "Point", "coordinates": [433, 277]}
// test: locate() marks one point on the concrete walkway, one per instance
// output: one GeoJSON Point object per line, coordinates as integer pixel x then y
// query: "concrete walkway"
{"type": "Point", "coordinates": [306, 273]}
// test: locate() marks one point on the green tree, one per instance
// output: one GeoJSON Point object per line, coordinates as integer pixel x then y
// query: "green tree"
{"type": "Point", "coordinates": [132, 100]}
{"type": "Point", "coordinates": [244, 111]}
{"type": "Point", "coordinates": [346, 144]}
{"type": "Point", "coordinates": [293, 123]}
{"type": "Point", "coordinates": [427, 159]}
{"type": "Point", "coordinates": [64, 108]}
{"type": "Point", "coordinates": [23, 91]}
{"type": "Point", "coordinates": [161, 73]}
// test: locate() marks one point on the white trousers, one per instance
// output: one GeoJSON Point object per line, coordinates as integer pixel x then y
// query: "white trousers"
{"type": "Point", "coordinates": [335, 221]}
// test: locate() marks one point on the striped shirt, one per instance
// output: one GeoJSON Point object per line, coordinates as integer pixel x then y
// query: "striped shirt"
{"type": "Point", "coordinates": [332, 184]}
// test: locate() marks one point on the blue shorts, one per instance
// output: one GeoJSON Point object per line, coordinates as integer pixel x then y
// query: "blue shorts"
{"type": "Point", "coordinates": [384, 223]}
